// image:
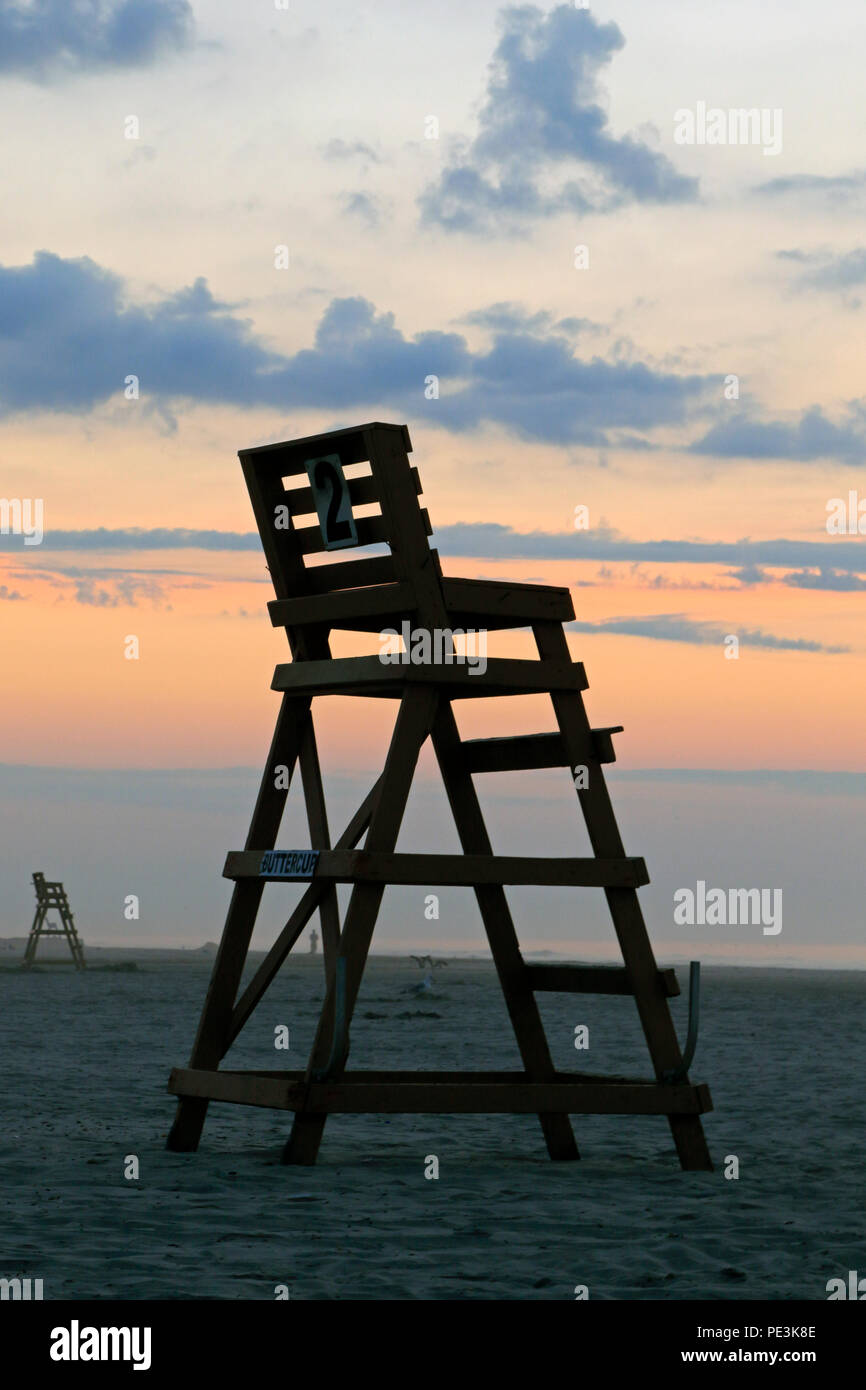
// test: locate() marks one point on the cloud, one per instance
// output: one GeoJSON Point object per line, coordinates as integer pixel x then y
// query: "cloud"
{"type": "Point", "coordinates": [824, 577]}
{"type": "Point", "coordinates": [350, 149]}
{"type": "Point", "coordinates": [827, 578]}
{"type": "Point", "coordinates": [508, 317]}
{"type": "Point", "coordinates": [69, 337]}
{"type": "Point", "coordinates": [492, 541]}
{"type": "Point", "coordinates": [134, 538]}
{"type": "Point", "coordinates": [810, 436]}
{"type": "Point", "coordinates": [835, 187]}
{"type": "Point", "coordinates": [829, 270]}
{"type": "Point", "coordinates": [101, 586]}
{"type": "Point", "coordinates": [47, 36]}
{"type": "Point", "coordinates": [8, 595]}
{"type": "Point", "coordinates": [543, 115]}
{"type": "Point", "coordinates": [675, 627]}
{"type": "Point", "coordinates": [489, 540]}
{"type": "Point", "coordinates": [364, 206]}
{"type": "Point", "coordinates": [122, 592]}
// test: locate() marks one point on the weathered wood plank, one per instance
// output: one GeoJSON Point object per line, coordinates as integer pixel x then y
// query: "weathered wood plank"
{"type": "Point", "coordinates": [289, 456]}
{"type": "Point", "coordinates": [591, 979]}
{"type": "Point", "coordinates": [360, 609]}
{"type": "Point", "coordinates": [344, 574]}
{"type": "Point", "coordinates": [451, 1093]}
{"type": "Point", "coordinates": [453, 870]}
{"type": "Point", "coordinates": [530, 751]}
{"type": "Point", "coordinates": [367, 675]}
{"type": "Point", "coordinates": [362, 492]}
{"type": "Point", "coordinates": [495, 600]}
{"type": "Point", "coordinates": [372, 530]}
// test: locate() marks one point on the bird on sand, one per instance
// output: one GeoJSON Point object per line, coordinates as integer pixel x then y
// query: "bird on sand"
{"type": "Point", "coordinates": [425, 986]}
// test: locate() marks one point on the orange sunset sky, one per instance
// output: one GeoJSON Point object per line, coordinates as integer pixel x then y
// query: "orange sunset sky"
{"type": "Point", "coordinates": [284, 222]}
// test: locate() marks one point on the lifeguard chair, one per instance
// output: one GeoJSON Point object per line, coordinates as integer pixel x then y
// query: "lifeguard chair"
{"type": "Point", "coordinates": [306, 503]}
{"type": "Point", "coordinates": [51, 897]}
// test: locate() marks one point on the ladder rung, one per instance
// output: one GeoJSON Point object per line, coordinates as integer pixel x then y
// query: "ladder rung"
{"type": "Point", "coordinates": [592, 979]}
{"type": "Point", "coordinates": [531, 751]}
{"type": "Point", "coordinates": [443, 1093]}
{"type": "Point", "coordinates": [450, 870]}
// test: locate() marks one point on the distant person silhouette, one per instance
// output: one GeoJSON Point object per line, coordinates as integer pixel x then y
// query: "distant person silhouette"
{"type": "Point", "coordinates": [314, 942]}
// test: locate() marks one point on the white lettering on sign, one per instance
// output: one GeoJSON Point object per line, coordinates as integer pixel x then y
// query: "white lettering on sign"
{"type": "Point", "coordinates": [288, 863]}
{"type": "Point", "coordinates": [333, 503]}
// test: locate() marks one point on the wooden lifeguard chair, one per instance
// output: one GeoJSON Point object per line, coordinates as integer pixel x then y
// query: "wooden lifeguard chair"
{"type": "Point", "coordinates": [288, 484]}
{"type": "Point", "coordinates": [51, 897]}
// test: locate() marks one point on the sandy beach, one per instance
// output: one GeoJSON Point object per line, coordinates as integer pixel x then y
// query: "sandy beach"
{"type": "Point", "coordinates": [85, 1063]}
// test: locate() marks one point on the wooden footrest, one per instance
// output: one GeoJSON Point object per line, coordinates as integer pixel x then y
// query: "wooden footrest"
{"type": "Point", "coordinates": [447, 870]}
{"type": "Point", "coordinates": [530, 751]}
{"type": "Point", "coordinates": [443, 1093]}
{"type": "Point", "coordinates": [367, 675]}
{"type": "Point", "coordinates": [592, 979]}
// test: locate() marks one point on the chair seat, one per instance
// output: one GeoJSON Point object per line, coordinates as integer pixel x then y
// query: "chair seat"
{"type": "Point", "coordinates": [477, 604]}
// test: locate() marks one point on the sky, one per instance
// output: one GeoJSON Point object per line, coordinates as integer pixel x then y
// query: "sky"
{"type": "Point", "coordinates": [228, 225]}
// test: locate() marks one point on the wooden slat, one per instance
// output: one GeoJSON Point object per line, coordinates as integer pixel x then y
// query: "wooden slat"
{"type": "Point", "coordinates": [289, 456]}
{"type": "Point", "coordinates": [362, 491]}
{"type": "Point", "coordinates": [367, 675]}
{"type": "Point", "coordinates": [530, 751]}
{"type": "Point", "coordinates": [453, 870]}
{"type": "Point", "coordinates": [358, 609]}
{"type": "Point", "coordinates": [592, 979]}
{"type": "Point", "coordinates": [308, 540]}
{"type": "Point", "coordinates": [513, 754]}
{"type": "Point", "coordinates": [452, 1093]}
{"type": "Point", "coordinates": [602, 740]}
{"type": "Point", "coordinates": [346, 574]}
{"type": "Point", "coordinates": [494, 600]}
{"type": "Point", "coordinates": [372, 530]}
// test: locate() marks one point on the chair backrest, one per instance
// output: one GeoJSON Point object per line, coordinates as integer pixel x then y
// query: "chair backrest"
{"type": "Point", "coordinates": [335, 492]}
{"type": "Point", "coordinates": [308, 503]}
{"type": "Point", "coordinates": [50, 894]}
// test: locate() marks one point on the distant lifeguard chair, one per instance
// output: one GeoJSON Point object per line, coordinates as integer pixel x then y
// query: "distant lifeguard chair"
{"type": "Point", "coordinates": [289, 484]}
{"type": "Point", "coordinates": [51, 897]}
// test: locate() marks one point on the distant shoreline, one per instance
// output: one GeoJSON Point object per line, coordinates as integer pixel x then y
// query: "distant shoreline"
{"type": "Point", "coordinates": [13, 947]}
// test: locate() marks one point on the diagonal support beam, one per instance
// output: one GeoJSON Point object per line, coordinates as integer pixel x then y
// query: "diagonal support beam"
{"type": "Point", "coordinates": [317, 819]}
{"type": "Point", "coordinates": [300, 917]}
{"type": "Point", "coordinates": [414, 722]}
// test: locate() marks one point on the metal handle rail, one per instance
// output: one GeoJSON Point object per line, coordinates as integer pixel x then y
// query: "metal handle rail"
{"type": "Point", "coordinates": [681, 1072]}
